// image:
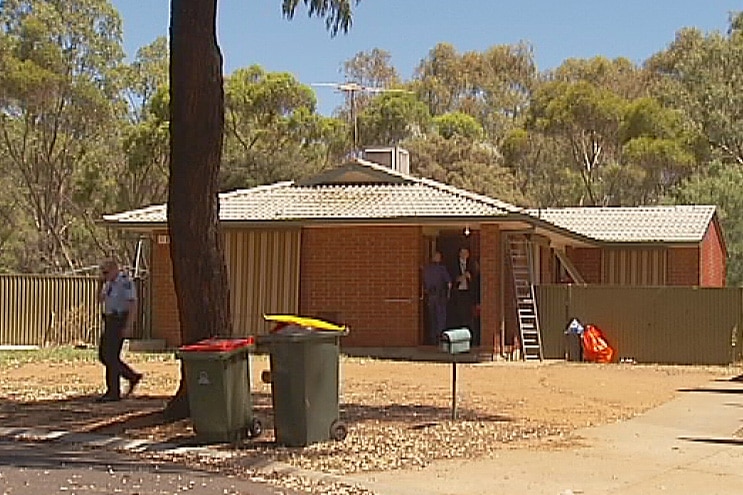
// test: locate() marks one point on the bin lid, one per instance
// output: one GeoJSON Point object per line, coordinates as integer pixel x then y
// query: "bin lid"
{"type": "Point", "coordinates": [305, 322]}
{"type": "Point", "coordinates": [218, 344]}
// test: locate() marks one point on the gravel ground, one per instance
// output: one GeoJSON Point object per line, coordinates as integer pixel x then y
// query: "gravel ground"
{"type": "Point", "coordinates": [398, 413]}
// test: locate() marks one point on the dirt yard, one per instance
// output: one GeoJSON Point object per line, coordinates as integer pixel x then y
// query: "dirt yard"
{"type": "Point", "coordinates": [398, 413]}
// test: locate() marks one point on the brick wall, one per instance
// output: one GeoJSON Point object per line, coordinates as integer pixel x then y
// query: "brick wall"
{"type": "Point", "coordinates": [712, 258]}
{"type": "Point", "coordinates": [588, 263]}
{"type": "Point", "coordinates": [165, 322]}
{"type": "Point", "coordinates": [366, 277]}
{"type": "Point", "coordinates": [683, 266]}
{"type": "Point", "coordinates": [490, 280]}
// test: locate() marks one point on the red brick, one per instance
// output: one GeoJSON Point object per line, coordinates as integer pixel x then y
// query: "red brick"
{"type": "Point", "coordinates": [366, 277]}
{"type": "Point", "coordinates": [683, 266]}
{"type": "Point", "coordinates": [713, 258]}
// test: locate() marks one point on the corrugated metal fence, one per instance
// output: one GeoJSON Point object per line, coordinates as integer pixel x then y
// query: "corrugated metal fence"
{"type": "Point", "coordinates": [263, 268]}
{"type": "Point", "coordinates": [44, 310]}
{"type": "Point", "coordinates": [676, 325]}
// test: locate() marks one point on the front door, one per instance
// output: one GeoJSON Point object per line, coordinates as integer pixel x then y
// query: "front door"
{"type": "Point", "coordinates": [463, 308]}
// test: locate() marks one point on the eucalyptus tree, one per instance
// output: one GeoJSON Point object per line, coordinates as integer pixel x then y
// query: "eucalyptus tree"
{"type": "Point", "coordinates": [142, 176]}
{"type": "Point", "coordinates": [463, 162]}
{"type": "Point", "coordinates": [623, 145]}
{"type": "Point", "coordinates": [371, 72]}
{"type": "Point", "coordinates": [392, 117]}
{"type": "Point", "coordinates": [273, 131]}
{"type": "Point", "coordinates": [586, 120]}
{"type": "Point", "coordinates": [493, 86]}
{"type": "Point", "coordinates": [58, 107]}
{"type": "Point", "coordinates": [702, 74]}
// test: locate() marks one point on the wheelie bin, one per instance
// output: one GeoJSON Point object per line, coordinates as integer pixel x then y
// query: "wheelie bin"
{"type": "Point", "coordinates": [304, 383]}
{"type": "Point", "coordinates": [218, 383]}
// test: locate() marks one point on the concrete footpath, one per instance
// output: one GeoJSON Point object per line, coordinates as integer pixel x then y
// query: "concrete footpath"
{"type": "Point", "coordinates": [691, 445]}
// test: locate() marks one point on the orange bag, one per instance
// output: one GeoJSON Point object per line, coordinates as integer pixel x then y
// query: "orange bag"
{"type": "Point", "coordinates": [595, 346]}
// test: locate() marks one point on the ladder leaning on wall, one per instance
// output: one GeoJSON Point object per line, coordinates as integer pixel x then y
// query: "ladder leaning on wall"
{"type": "Point", "coordinates": [522, 270]}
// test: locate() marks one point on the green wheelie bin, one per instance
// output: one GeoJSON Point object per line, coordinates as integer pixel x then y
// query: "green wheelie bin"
{"type": "Point", "coordinates": [218, 381]}
{"type": "Point", "coordinates": [304, 385]}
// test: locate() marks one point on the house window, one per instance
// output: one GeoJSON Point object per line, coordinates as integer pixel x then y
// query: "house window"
{"type": "Point", "coordinates": [634, 266]}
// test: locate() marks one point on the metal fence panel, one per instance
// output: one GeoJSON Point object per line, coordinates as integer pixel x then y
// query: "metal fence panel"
{"type": "Point", "coordinates": [675, 325]}
{"type": "Point", "coordinates": [263, 269]}
{"type": "Point", "coordinates": [44, 310]}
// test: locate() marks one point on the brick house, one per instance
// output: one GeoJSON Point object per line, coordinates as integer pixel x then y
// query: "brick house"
{"type": "Point", "coordinates": [349, 245]}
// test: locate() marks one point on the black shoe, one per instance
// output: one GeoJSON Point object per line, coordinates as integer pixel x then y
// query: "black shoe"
{"type": "Point", "coordinates": [133, 384]}
{"type": "Point", "coordinates": [107, 398]}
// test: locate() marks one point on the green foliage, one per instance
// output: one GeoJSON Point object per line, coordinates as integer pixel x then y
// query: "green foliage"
{"type": "Point", "coordinates": [372, 69]}
{"type": "Point", "coordinates": [624, 150]}
{"type": "Point", "coordinates": [619, 76]}
{"type": "Point", "coordinates": [146, 78]}
{"type": "Point", "coordinates": [458, 124]}
{"type": "Point", "coordinates": [59, 104]}
{"type": "Point", "coordinates": [272, 131]}
{"type": "Point", "coordinates": [721, 185]}
{"type": "Point", "coordinates": [464, 163]}
{"type": "Point", "coordinates": [702, 75]}
{"type": "Point", "coordinates": [493, 86]}
{"type": "Point", "coordinates": [392, 117]}
{"type": "Point", "coordinates": [337, 13]}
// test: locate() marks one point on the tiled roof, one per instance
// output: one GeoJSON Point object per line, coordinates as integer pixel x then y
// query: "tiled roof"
{"type": "Point", "coordinates": [404, 197]}
{"type": "Point", "coordinates": [684, 223]}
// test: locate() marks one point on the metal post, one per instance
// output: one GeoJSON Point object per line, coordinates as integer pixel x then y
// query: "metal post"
{"type": "Point", "coordinates": [454, 387]}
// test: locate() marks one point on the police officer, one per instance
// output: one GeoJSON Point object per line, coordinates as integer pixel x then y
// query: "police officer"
{"type": "Point", "coordinates": [119, 298]}
{"type": "Point", "coordinates": [436, 287]}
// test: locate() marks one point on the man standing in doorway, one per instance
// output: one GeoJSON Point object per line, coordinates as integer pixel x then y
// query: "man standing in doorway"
{"type": "Point", "coordinates": [463, 272]}
{"type": "Point", "coordinates": [436, 289]}
{"type": "Point", "coordinates": [119, 298]}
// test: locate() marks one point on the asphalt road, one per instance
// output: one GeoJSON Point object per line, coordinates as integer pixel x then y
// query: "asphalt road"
{"type": "Point", "coordinates": [47, 468]}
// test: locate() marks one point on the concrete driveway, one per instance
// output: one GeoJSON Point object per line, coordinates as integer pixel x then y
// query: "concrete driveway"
{"type": "Point", "coordinates": [691, 445]}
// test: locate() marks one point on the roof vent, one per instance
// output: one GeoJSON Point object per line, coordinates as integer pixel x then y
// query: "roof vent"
{"type": "Point", "coordinates": [394, 157]}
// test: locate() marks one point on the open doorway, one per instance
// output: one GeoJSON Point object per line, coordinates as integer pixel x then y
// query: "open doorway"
{"type": "Point", "coordinates": [463, 309]}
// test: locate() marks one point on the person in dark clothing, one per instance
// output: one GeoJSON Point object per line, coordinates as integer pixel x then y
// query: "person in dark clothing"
{"type": "Point", "coordinates": [119, 298]}
{"type": "Point", "coordinates": [436, 289]}
{"type": "Point", "coordinates": [464, 275]}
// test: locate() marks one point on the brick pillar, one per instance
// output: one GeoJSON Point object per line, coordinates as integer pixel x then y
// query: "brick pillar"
{"type": "Point", "coordinates": [490, 290]}
{"type": "Point", "coordinates": [165, 320]}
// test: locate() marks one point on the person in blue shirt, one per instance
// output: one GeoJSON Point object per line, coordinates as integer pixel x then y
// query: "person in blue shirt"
{"type": "Point", "coordinates": [436, 289]}
{"type": "Point", "coordinates": [119, 297]}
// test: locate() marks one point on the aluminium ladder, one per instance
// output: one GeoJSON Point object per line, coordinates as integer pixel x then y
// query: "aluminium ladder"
{"type": "Point", "coordinates": [526, 304]}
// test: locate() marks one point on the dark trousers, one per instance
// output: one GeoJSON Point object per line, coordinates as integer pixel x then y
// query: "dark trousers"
{"type": "Point", "coordinates": [436, 309]}
{"type": "Point", "coordinates": [462, 304]}
{"type": "Point", "coordinates": [109, 353]}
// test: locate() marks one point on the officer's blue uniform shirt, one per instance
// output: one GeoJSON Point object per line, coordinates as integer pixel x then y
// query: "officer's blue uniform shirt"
{"type": "Point", "coordinates": [119, 293]}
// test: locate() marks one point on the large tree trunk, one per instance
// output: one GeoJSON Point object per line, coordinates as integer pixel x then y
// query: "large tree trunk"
{"type": "Point", "coordinates": [196, 126]}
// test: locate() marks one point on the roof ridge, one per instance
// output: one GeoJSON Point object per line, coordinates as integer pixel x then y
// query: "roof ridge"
{"type": "Point", "coordinates": [443, 187]}
{"type": "Point", "coordinates": [606, 208]}
{"type": "Point", "coordinates": [258, 188]}
{"type": "Point", "coordinates": [144, 209]}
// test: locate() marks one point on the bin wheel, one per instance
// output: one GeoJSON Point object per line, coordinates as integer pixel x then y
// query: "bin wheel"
{"type": "Point", "coordinates": [256, 428]}
{"type": "Point", "coordinates": [338, 430]}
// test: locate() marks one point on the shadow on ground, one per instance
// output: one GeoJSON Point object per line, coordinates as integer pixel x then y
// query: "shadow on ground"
{"type": "Point", "coordinates": [713, 390]}
{"type": "Point", "coordinates": [718, 441]}
{"type": "Point", "coordinates": [142, 416]}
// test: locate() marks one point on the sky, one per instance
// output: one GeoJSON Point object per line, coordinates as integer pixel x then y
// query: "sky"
{"type": "Point", "coordinates": [254, 31]}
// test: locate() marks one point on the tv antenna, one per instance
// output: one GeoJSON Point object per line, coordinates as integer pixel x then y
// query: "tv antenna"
{"type": "Point", "coordinates": [351, 89]}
